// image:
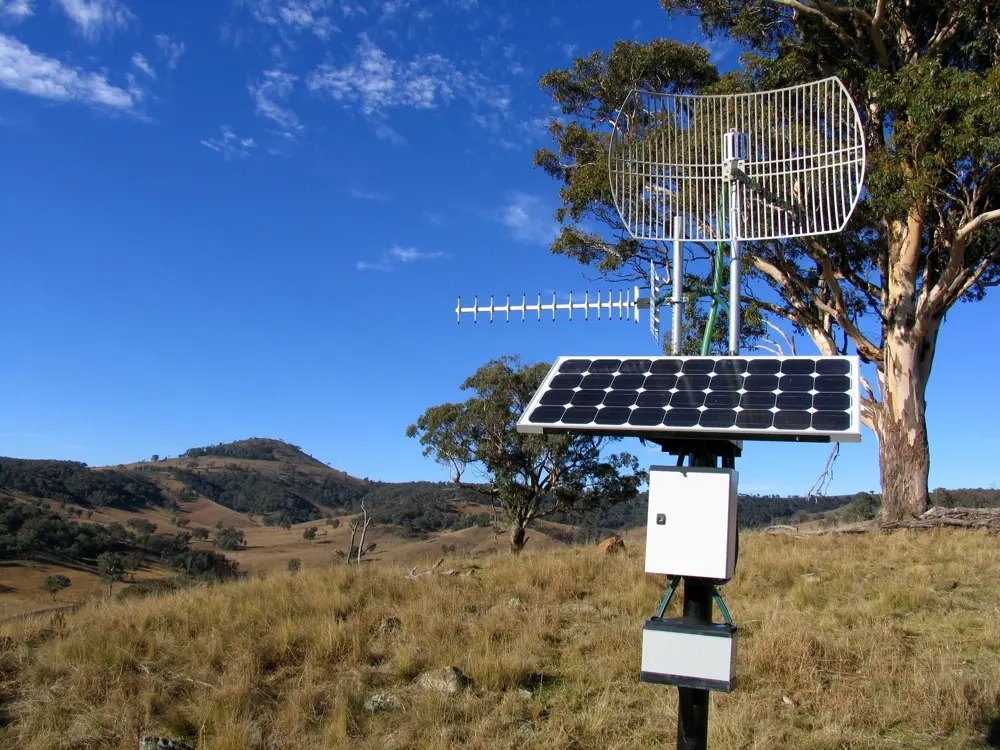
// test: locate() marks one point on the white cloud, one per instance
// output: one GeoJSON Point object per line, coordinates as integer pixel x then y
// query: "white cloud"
{"type": "Point", "coordinates": [170, 50]}
{"type": "Point", "coordinates": [365, 195]}
{"type": "Point", "coordinates": [296, 15]}
{"type": "Point", "coordinates": [393, 256]}
{"type": "Point", "coordinates": [229, 145]}
{"type": "Point", "coordinates": [93, 17]}
{"type": "Point", "coordinates": [570, 49]}
{"type": "Point", "coordinates": [16, 10]}
{"type": "Point", "coordinates": [38, 75]}
{"type": "Point", "coordinates": [391, 8]}
{"type": "Point", "coordinates": [378, 83]}
{"type": "Point", "coordinates": [719, 49]}
{"type": "Point", "coordinates": [527, 219]}
{"type": "Point", "coordinates": [143, 64]}
{"type": "Point", "coordinates": [267, 93]}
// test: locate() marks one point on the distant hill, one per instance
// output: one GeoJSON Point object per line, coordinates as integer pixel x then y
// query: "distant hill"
{"type": "Point", "coordinates": [277, 483]}
{"type": "Point", "coordinates": [259, 477]}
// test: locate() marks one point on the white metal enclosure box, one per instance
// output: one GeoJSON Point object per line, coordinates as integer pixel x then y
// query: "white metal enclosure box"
{"type": "Point", "coordinates": [691, 525]}
{"type": "Point", "coordinates": [689, 654]}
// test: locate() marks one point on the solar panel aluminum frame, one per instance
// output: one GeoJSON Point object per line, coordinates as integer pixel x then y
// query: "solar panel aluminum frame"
{"type": "Point", "coordinates": [851, 435]}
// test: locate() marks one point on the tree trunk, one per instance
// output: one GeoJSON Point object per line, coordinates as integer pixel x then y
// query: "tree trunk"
{"type": "Point", "coordinates": [901, 426]}
{"type": "Point", "coordinates": [517, 538]}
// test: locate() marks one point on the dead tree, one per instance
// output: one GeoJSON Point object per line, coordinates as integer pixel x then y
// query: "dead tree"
{"type": "Point", "coordinates": [360, 523]}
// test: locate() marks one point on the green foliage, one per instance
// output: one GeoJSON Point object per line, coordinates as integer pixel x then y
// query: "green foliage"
{"type": "Point", "coordinates": [294, 565]}
{"type": "Point", "coordinates": [966, 498]}
{"type": "Point", "coordinates": [229, 539]}
{"type": "Point", "coordinates": [29, 532]}
{"type": "Point", "coordinates": [54, 584]}
{"type": "Point", "coordinates": [111, 568]}
{"type": "Point", "coordinates": [73, 482]}
{"type": "Point", "coordinates": [131, 562]}
{"type": "Point", "coordinates": [530, 476]}
{"type": "Point", "coordinates": [309, 534]}
{"type": "Point", "coordinates": [253, 449]}
{"type": "Point", "coordinates": [141, 526]}
{"type": "Point", "coordinates": [864, 506]}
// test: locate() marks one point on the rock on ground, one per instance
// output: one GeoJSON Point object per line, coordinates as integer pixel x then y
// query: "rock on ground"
{"type": "Point", "coordinates": [611, 545]}
{"type": "Point", "coordinates": [381, 702]}
{"type": "Point", "coordinates": [149, 742]}
{"type": "Point", "coordinates": [447, 680]}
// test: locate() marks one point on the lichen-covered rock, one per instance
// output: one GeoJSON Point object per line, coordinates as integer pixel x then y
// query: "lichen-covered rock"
{"type": "Point", "coordinates": [378, 703]}
{"type": "Point", "coordinates": [448, 680]}
{"type": "Point", "coordinates": [149, 742]}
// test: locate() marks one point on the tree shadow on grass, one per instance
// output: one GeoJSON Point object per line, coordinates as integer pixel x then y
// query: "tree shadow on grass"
{"type": "Point", "coordinates": [538, 681]}
{"type": "Point", "coordinates": [993, 733]}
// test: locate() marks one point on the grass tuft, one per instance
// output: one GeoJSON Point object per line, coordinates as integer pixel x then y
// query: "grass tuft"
{"type": "Point", "coordinates": [876, 641]}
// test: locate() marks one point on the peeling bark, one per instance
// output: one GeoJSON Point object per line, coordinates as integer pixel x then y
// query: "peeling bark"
{"type": "Point", "coordinates": [901, 427]}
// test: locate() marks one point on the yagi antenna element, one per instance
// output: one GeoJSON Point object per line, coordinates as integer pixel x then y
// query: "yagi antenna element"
{"type": "Point", "coordinates": [627, 306]}
{"type": "Point", "coordinates": [738, 167]}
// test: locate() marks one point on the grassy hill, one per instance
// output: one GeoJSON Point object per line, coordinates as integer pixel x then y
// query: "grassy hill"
{"type": "Point", "coordinates": [878, 641]}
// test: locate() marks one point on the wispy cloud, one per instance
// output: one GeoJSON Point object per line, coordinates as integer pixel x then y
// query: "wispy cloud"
{"type": "Point", "coordinates": [720, 48]}
{"type": "Point", "coordinates": [143, 64]}
{"type": "Point", "coordinates": [276, 87]}
{"type": "Point", "coordinates": [229, 145]}
{"type": "Point", "coordinates": [365, 195]}
{"type": "Point", "coordinates": [570, 49]}
{"type": "Point", "coordinates": [170, 50]}
{"type": "Point", "coordinates": [16, 10]}
{"type": "Point", "coordinates": [378, 83]}
{"type": "Point", "coordinates": [527, 219]}
{"type": "Point", "coordinates": [95, 17]}
{"type": "Point", "coordinates": [39, 75]}
{"type": "Point", "coordinates": [394, 256]}
{"type": "Point", "coordinates": [295, 16]}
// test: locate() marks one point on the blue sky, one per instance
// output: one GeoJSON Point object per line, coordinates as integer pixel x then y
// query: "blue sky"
{"type": "Point", "coordinates": [253, 218]}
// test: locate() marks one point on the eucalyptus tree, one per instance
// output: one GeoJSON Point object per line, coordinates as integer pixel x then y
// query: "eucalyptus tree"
{"type": "Point", "coordinates": [528, 476]}
{"type": "Point", "coordinates": [926, 76]}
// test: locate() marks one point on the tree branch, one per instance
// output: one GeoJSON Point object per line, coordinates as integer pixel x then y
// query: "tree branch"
{"type": "Point", "coordinates": [810, 11]}
{"type": "Point", "coordinates": [977, 222]}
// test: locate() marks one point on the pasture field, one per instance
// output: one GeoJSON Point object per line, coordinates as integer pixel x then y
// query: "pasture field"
{"type": "Point", "coordinates": [868, 641]}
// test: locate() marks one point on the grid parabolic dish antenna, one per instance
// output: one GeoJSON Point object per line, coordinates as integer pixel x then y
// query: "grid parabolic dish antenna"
{"type": "Point", "coordinates": [793, 159]}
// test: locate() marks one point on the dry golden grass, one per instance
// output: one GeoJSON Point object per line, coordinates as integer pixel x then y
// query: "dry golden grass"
{"type": "Point", "coordinates": [881, 641]}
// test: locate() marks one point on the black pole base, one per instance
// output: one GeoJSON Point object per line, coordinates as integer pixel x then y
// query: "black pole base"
{"type": "Point", "coordinates": [692, 703]}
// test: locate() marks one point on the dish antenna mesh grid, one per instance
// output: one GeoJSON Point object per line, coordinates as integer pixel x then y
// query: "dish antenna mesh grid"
{"type": "Point", "coordinates": [794, 157]}
{"type": "Point", "coordinates": [731, 167]}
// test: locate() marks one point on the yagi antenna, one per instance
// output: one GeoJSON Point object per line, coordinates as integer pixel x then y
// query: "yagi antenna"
{"type": "Point", "coordinates": [627, 306]}
{"type": "Point", "coordinates": [737, 167]}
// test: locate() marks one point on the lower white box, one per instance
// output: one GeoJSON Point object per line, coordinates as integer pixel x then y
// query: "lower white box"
{"type": "Point", "coordinates": [679, 652]}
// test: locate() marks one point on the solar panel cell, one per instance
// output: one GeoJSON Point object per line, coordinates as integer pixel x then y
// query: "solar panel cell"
{"type": "Point", "coordinates": [790, 398]}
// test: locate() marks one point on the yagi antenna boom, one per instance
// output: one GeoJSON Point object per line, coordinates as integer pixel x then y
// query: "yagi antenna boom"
{"type": "Point", "coordinates": [627, 306]}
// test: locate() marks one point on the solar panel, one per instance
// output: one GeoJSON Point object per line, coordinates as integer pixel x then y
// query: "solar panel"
{"type": "Point", "coordinates": [811, 399]}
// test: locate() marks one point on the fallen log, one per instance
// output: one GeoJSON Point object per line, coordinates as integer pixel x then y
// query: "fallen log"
{"type": "Point", "coordinates": [933, 518]}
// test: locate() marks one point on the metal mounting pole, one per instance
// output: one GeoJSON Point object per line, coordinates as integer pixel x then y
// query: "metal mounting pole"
{"type": "Point", "coordinates": [692, 703]}
{"type": "Point", "coordinates": [734, 270]}
{"type": "Point", "coordinates": [677, 331]}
